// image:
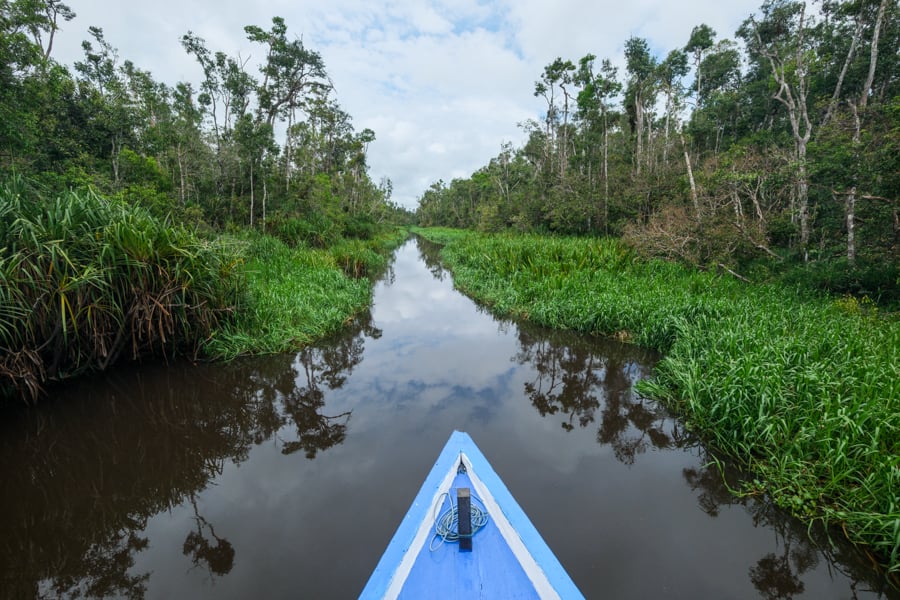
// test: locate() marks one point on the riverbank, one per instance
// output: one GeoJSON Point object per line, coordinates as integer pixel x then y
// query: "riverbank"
{"type": "Point", "coordinates": [802, 390]}
{"type": "Point", "coordinates": [298, 295]}
{"type": "Point", "coordinates": [88, 281]}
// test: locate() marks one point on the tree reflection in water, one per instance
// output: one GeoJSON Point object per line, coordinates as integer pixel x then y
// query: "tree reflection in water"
{"type": "Point", "coordinates": [575, 376]}
{"type": "Point", "coordinates": [92, 468]}
{"type": "Point", "coordinates": [326, 365]}
{"type": "Point", "coordinates": [430, 253]}
{"type": "Point", "coordinates": [219, 557]}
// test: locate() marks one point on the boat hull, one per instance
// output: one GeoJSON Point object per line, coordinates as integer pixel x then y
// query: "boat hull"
{"type": "Point", "coordinates": [509, 558]}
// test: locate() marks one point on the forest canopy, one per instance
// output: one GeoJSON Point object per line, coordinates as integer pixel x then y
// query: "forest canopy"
{"type": "Point", "coordinates": [777, 148]}
{"type": "Point", "coordinates": [248, 145]}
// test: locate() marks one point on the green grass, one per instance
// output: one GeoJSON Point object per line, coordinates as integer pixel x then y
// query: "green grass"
{"type": "Point", "coordinates": [86, 281]}
{"type": "Point", "coordinates": [804, 390]}
{"type": "Point", "coordinates": [295, 296]}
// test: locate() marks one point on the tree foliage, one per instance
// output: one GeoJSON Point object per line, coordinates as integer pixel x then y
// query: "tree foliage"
{"type": "Point", "coordinates": [247, 146]}
{"type": "Point", "coordinates": [774, 151]}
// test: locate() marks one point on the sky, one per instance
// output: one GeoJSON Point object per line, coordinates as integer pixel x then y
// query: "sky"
{"type": "Point", "coordinates": [442, 83]}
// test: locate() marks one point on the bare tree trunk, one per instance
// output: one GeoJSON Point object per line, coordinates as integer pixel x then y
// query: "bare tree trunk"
{"type": "Point", "coordinates": [793, 97]}
{"type": "Point", "coordinates": [690, 173]}
{"type": "Point", "coordinates": [287, 152]}
{"type": "Point", "coordinates": [738, 209]}
{"type": "Point", "coordinates": [605, 174]}
{"type": "Point", "coordinates": [179, 153]}
{"type": "Point", "coordinates": [666, 143]}
{"type": "Point", "coordinates": [873, 56]}
{"type": "Point", "coordinates": [754, 197]}
{"type": "Point", "coordinates": [803, 192]}
{"type": "Point", "coordinates": [835, 97]}
{"type": "Point", "coordinates": [563, 154]}
{"type": "Point", "coordinates": [851, 232]}
{"type": "Point", "coordinates": [639, 118]}
{"type": "Point", "coordinates": [252, 199]}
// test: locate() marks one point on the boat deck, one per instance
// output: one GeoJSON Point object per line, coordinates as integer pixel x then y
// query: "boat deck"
{"type": "Point", "coordinates": [509, 559]}
{"type": "Point", "coordinates": [490, 570]}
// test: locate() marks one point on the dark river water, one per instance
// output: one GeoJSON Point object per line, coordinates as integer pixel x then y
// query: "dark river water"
{"type": "Point", "coordinates": [285, 476]}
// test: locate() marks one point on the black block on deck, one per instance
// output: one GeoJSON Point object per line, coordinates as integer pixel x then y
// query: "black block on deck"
{"type": "Point", "coordinates": [464, 510]}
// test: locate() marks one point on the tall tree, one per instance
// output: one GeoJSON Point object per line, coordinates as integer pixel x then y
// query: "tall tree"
{"type": "Point", "coordinates": [702, 38]}
{"type": "Point", "coordinates": [599, 89]}
{"type": "Point", "coordinates": [640, 92]}
{"type": "Point", "coordinates": [556, 74]}
{"type": "Point", "coordinates": [669, 74]}
{"type": "Point", "coordinates": [100, 71]}
{"type": "Point", "coordinates": [781, 37]}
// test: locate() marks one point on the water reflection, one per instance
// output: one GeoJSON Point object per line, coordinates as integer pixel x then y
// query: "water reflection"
{"type": "Point", "coordinates": [321, 368]}
{"type": "Point", "coordinates": [575, 375]}
{"type": "Point", "coordinates": [799, 550]}
{"type": "Point", "coordinates": [112, 453]}
{"type": "Point", "coordinates": [586, 382]}
{"type": "Point", "coordinates": [218, 556]}
{"type": "Point", "coordinates": [430, 253]}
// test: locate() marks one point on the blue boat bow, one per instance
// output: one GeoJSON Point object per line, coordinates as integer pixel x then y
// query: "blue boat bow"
{"type": "Point", "coordinates": [509, 559]}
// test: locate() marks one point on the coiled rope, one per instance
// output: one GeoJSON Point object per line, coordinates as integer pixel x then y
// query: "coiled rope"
{"type": "Point", "coordinates": [446, 527]}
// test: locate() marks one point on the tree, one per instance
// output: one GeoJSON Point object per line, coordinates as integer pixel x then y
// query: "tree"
{"type": "Point", "coordinates": [289, 71]}
{"type": "Point", "coordinates": [43, 27]}
{"type": "Point", "coordinates": [556, 74]}
{"type": "Point", "coordinates": [100, 71]}
{"type": "Point", "coordinates": [669, 74]}
{"type": "Point", "coordinates": [847, 108]}
{"type": "Point", "coordinates": [701, 40]}
{"type": "Point", "coordinates": [640, 93]}
{"type": "Point", "coordinates": [594, 106]}
{"type": "Point", "coordinates": [782, 38]}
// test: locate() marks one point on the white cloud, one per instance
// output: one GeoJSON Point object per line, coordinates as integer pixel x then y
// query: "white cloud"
{"type": "Point", "coordinates": [442, 83]}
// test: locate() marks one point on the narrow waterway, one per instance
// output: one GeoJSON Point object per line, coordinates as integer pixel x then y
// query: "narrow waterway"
{"type": "Point", "coordinates": [285, 476]}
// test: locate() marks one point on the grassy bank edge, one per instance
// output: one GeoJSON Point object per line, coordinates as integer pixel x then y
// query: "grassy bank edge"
{"type": "Point", "coordinates": [803, 390]}
{"type": "Point", "coordinates": [88, 281]}
{"type": "Point", "coordinates": [298, 295]}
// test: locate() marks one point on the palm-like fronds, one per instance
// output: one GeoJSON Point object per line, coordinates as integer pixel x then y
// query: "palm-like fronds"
{"type": "Point", "coordinates": [85, 280]}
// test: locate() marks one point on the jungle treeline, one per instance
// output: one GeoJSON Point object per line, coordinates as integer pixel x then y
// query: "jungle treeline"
{"type": "Point", "coordinates": [251, 145]}
{"type": "Point", "coordinates": [774, 152]}
{"type": "Point", "coordinates": [138, 218]}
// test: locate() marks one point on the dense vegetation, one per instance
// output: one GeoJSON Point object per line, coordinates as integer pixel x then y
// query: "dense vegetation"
{"type": "Point", "coordinates": [805, 391]}
{"type": "Point", "coordinates": [86, 280]}
{"type": "Point", "coordinates": [300, 295]}
{"type": "Point", "coordinates": [208, 154]}
{"type": "Point", "coordinates": [779, 153]}
{"type": "Point", "coordinates": [777, 162]}
{"type": "Point", "coordinates": [138, 218]}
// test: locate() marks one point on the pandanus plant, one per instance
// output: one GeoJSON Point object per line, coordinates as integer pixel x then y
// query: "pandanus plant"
{"type": "Point", "coordinates": [85, 280]}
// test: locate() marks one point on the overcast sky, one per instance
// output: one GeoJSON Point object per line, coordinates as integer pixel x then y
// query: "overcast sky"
{"type": "Point", "coordinates": [442, 83]}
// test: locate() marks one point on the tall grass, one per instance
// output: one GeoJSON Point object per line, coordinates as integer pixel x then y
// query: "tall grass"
{"type": "Point", "coordinates": [85, 280]}
{"type": "Point", "coordinates": [804, 390]}
{"type": "Point", "coordinates": [295, 295]}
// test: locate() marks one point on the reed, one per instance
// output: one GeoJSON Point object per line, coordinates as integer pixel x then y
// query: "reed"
{"type": "Point", "coordinates": [85, 280]}
{"type": "Point", "coordinates": [802, 389]}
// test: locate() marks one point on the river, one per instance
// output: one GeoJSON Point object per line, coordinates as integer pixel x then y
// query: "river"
{"type": "Point", "coordinates": [285, 476]}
